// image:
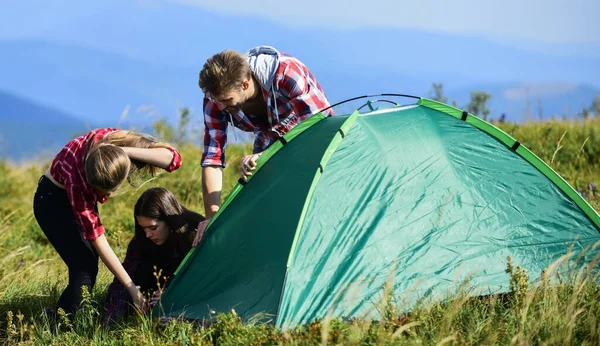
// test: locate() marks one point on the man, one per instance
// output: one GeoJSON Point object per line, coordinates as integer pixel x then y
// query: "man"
{"type": "Point", "coordinates": [262, 91]}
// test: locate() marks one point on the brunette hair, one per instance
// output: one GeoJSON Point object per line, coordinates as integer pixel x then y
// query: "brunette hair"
{"type": "Point", "coordinates": [160, 204]}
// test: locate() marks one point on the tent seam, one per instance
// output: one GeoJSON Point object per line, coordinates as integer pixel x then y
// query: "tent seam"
{"type": "Point", "coordinates": [349, 122]}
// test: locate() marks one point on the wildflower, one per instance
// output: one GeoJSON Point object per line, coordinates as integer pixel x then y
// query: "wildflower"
{"type": "Point", "coordinates": [11, 328]}
{"type": "Point", "coordinates": [509, 266]}
{"type": "Point", "coordinates": [592, 187]}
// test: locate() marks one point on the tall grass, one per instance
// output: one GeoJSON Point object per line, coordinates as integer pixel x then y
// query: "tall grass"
{"type": "Point", "coordinates": [563, 308]}
{"type": "Point", "coordinates": [571, 148]}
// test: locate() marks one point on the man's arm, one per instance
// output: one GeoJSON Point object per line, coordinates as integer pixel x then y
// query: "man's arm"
{"type": "Point", "coordinates": [212, 185]}
{"type": "Point", "coordinates": [213, 157]}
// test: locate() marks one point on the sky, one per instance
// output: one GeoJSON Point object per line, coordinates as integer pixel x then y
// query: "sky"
{"type": "Point", "coordinates": [562, 21]}
{"type": "Point", "coordinates": [552, 27]}
{"type": "Point", "coordinates": [557, 28]}
{"type": "Point", "coordinates": [540, 20]}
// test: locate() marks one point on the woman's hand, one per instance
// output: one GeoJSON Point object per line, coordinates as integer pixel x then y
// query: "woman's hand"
{"type": "Point", "coordinates": [200, 231]}
{"type": "Point", "coordinates": [138, 299]}
{"type": "Point", "coordinates": [114, 265]}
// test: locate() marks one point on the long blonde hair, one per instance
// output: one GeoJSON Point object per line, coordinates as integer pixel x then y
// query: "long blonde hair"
{"type": "Point", "coordinates": [107, 165]}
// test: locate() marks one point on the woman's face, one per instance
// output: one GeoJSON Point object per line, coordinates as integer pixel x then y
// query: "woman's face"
{"type": "Point", "coordinates": [157, 231]}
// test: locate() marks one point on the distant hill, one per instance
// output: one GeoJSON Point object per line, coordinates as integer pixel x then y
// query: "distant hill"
{"type": "Point", "coordinates": [99, 85]}
{"type": "Point", "coordinates": [152, 51]}
{"type": "Point", "coordinates": [530, 101]}
{"type": "Point", "coordinates": [52, 91]}
{"type": "Point", "coordinates": [30, 131]}
{"type": "Point", "coordinates": [95, 84]}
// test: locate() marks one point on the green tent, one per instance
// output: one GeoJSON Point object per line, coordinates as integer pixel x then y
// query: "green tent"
{"type": "Point", "coordinates": [419, 197]}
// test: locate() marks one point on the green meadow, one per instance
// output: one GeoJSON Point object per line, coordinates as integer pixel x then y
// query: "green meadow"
{"type": "Point", "coordinates": [563, 309]}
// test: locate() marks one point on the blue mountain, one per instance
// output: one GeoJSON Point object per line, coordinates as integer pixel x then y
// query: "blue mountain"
{"type": "Point", "coordinates": [99, 85]}
{"type": "Point", "coordinates": [147, 62]}
{"type": "Point", "coordinates": [30, 131]}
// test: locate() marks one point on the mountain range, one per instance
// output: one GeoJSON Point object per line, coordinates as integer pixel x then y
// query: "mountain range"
{"type": "Point", "coordinates": [145, 64]}
{"type": "Point", "coordinates": [30, 131]}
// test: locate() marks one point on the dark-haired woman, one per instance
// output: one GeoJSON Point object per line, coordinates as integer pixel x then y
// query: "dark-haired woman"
{"type": "Point", "coordinates": [164, 232]}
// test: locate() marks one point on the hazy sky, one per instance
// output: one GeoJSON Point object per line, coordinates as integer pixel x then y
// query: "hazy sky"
{"type": "Point", "coordinates": [574, 21]}
{"type": "Point", "coordinates": [505, 39]}
{"type": "Point", "coordinates": [543, 20]}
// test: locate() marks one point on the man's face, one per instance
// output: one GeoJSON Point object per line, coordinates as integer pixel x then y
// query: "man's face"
{"type": "Point", "coordinates": [234, 99]}
{"type": "Point", "coordinates": [231, 101]}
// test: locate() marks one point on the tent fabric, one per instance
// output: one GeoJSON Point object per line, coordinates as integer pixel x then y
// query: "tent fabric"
{"type": "Point", "coordinates": [414, 197]}
{"type": "Point", "coordinates": [247, 256]}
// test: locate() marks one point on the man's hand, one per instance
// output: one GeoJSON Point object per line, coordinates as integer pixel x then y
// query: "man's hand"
{"type": "Point", "coordinates": [200, 232]}
{"type": "Point", "coordinates": [247, 165]}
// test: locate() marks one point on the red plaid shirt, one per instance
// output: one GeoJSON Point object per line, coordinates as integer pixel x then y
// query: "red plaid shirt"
{"type": "Point", "coordinates": [298, 96]}
{"type": "Point", "coordinates": [68, 169]}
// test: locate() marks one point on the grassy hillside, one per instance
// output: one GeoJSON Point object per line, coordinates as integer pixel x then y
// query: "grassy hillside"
{"type": "Point", "coordinates": [32, 275]}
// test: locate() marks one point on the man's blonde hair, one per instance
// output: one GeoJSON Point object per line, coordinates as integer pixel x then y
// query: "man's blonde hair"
{"type": "Point", "coordinates": [223, 72]}
{"type": "Point", "coordinates": [107, 165]}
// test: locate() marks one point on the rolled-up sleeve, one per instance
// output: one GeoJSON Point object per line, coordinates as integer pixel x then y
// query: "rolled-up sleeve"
{"type": "Point", "coordinates": [176, 162]}
{"type": "Point", "coordinates": [215, 135]}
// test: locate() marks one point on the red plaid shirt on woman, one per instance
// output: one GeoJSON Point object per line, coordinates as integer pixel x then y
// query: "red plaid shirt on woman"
{"type": "Point", "coordinates": [68, 169]}
{"type": "Point", "coordinates": [298, 95]}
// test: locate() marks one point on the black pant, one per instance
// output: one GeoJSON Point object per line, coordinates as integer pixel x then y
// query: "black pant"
{"type": "Point", "coordinates": [56, 218]}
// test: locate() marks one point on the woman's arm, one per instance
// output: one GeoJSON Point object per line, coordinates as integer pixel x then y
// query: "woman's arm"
{"type": "Point", "coordinates": [159, 157]}
{"type": "Point", "coordinates": [117, 297]}
{"type": "Point", "coordinates": [111, 260]}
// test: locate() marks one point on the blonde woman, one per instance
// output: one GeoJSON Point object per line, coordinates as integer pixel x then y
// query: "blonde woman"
{"type": "Point", "coordinates": [86, 172]}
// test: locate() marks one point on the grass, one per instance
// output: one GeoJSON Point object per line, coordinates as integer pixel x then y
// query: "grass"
{"type": "Point", "coordinates": [563, 308]}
